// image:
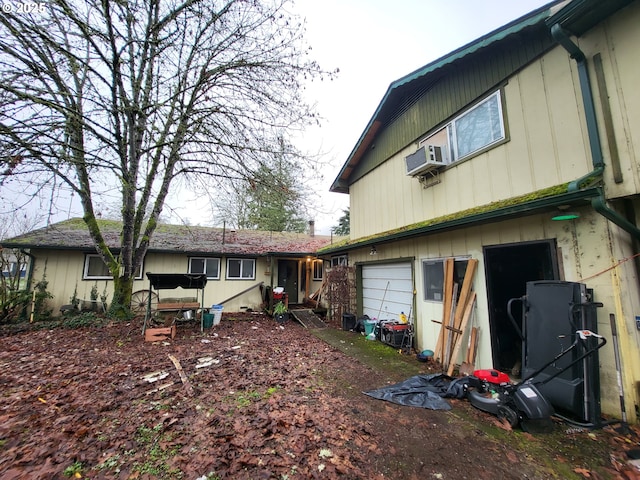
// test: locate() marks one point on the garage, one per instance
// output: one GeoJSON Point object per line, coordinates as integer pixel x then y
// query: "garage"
{"type": "Point", "coordinates": [387, 290]}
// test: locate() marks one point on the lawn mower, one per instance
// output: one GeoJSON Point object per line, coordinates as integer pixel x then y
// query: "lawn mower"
{"type": "Point", "coordinates": [522, 404]}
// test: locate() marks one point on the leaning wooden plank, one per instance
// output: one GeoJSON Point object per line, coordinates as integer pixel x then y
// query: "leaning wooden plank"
{"type": "Point", "coordinates": [465, 292]}
{"type": "Point", "coordinates": [183, 377]}
{"type": "Point", "coordinates": [256, 285]}
{"type": "Point", "coordinates": [464, 295]}
{"type": "Point", "coordinates": [447, 288]}
{"type": "Point", "coordinates": [468, 366]}
{"type": "Point", "coordinates": [463, 325]}
{"type": "Point", "coordinates": [446, 326]}
{"type": "Point", "coordinates": [473, 346]}
{"type": "Point", "coordinates": [320, 289]}
{"type": "Point", "coordinates": [449, 333]}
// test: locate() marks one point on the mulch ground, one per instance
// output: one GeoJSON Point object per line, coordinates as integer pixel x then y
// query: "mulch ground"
{"type": "Point", "coordinates": [248, 399]}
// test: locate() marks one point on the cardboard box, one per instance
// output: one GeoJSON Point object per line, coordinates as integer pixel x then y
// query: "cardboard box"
{"type": "Point", "coordinates": [159, 334]}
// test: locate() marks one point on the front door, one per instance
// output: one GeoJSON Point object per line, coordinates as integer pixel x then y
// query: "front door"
{"type": "Point", "coordinates": [288, 278]}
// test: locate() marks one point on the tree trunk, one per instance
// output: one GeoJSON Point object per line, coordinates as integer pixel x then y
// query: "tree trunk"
{"type": "Point", "coordinates": [121, 302]}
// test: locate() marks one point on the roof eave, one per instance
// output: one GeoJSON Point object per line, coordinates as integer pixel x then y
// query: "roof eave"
{"type": "Point", "coordinates": [340, 184]}
{"type": "Point", "coordinates": [578, 16]}
{"type": "Point", "coordinates": [532, 207]}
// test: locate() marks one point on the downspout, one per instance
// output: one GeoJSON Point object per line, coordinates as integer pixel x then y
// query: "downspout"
{"type": "Point", "coordinates": [598, 203]}
{"type": "Point", "coordinates": [32, 262]}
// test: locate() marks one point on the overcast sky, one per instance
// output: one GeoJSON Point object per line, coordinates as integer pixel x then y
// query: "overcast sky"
{"type": "Point", "coordinates": [373, 43]}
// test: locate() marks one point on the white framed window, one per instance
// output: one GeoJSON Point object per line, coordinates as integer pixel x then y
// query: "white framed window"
{"type": "Point", "coordinates": [95, 269]}
{"type": "Point", "coordinates": [477, 128]}
{"type": "Point", "coordinates": [473, 130]}
{"type": "Point", "coordinates": [318, 268]}
{"type": "Point", "coordinates": [340, 260]}
{"type": "Point", "coordinates": [433, 277]}
{"type": "Point", "coordinates": [207, 265]}
{"type": "Point", "coordinates": [241, 268]}
{"type": "Point", "coordinates": [11, 269]}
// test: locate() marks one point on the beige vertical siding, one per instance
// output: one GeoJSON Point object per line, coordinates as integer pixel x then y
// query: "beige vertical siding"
{"type": "Point", "coordinates": [64, 276]}
{"type": "Point", "coordinates": [546, 147]}
{"type": "Point", "coordinates": [588, 251]}
{"type": "Point", "coordinates": [617, 42]}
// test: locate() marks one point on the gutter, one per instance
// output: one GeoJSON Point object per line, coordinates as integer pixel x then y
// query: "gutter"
{"type": "Point", "coordinates": [32, 264]}
{"type": "Point", "coordinates": [530, 207]}
{"type": "Point", "coordinates": [598, 203]}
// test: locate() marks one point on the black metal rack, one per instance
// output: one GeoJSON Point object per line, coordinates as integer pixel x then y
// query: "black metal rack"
{"type": "Point", "coordinates": [169, 281]}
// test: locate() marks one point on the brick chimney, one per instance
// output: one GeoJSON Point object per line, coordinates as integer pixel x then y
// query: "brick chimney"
{"type": "Point", "coordinates": [312, 228]}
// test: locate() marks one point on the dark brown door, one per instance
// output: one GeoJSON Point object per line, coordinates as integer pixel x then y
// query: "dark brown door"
{"type": "Point", "coordinates": [288, 278]}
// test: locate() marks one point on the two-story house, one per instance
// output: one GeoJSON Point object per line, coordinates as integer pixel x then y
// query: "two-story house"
{"type": "Point", "coordinates": [519, 151]}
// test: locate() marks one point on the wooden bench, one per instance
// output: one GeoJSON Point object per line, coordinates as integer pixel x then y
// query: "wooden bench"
{"type": "Point", "coordinates": [177, 306]}
{"type": "Point", "coordinates": [170, 308]}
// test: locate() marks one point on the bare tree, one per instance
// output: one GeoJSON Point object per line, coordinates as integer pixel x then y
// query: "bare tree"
{"type": "Point", "coordinates": [130, 97]}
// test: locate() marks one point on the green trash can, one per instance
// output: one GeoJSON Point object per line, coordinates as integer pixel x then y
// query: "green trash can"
{"type": "Point", "coordinates": [207, 320]}
{"type": "Point", "coordinates": [369, 326]}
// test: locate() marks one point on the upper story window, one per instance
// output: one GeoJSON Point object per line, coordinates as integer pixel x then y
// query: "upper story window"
{"type": "Point", "coordinates": [95, 269]}
{"type": "Point", "coordinates": [206, 265]}
{"type": "Point", "coordinates": [241, 268]}
{"type": "Point", "coordinates": [475, 129]}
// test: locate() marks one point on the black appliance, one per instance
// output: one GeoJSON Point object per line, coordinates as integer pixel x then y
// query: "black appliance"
{"type": "Point", "coordinates": [552, 313]}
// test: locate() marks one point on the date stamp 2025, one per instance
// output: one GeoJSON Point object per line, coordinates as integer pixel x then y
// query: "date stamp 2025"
{"type": "Point", "coordinates": [22, 8]}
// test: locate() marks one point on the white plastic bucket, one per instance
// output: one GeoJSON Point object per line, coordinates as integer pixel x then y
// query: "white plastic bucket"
{"type": "Point", "coordinates": [217, 313]}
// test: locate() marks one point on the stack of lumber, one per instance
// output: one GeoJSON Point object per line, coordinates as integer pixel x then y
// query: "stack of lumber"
{"type": "Point", "coordinates": [457, 310]}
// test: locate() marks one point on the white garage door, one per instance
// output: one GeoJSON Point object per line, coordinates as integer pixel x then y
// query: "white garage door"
{"type": "Point", "coordinates": [387, 290]}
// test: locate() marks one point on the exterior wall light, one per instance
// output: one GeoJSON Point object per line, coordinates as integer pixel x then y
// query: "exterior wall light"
{"type": "Point", "coordinates": [373, 250]}
{"type": "Point", "coordinates": [564, 215]}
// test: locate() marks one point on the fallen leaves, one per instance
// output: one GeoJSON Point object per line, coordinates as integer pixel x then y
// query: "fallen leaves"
{"type": "Point", "coordinates": [251, 406]}
{"type": "Point", "coordinates": [267, 401]}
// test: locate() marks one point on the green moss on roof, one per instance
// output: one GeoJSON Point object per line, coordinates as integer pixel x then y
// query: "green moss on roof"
{"type": "Point", "coordinates": [470, 212]}
{"type": "Point", "coordinates": [73, 234]}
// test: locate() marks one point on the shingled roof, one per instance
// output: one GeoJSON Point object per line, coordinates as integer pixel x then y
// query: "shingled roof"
{"type": "Point", "coordinates": [73, 235]}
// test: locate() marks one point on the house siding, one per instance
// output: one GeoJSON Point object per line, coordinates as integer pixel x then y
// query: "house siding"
{"type": "Point", "coordinates": [439, 100]}
{"type": "Point", "coordinates": [585, 250]}
{"type": "Point", "coordinates": [547, 145]}
{"type": "Point", "coordinates": [63, 271]}
{"type": "Point", "coordinates": [617, 40]}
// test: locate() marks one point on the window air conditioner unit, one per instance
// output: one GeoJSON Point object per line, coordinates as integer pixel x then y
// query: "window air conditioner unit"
{"type": "Point", "coordinates": [426, 159]}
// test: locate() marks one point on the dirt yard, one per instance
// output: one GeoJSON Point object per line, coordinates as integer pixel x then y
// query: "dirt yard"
{"type": "Point", "coordinates": [250, 399]}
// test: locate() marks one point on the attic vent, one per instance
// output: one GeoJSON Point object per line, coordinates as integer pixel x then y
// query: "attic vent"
{"type": "Point", "coordinates": [426, 159]}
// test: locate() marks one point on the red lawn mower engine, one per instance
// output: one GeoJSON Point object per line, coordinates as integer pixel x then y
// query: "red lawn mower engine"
{"type": "Point", "coordinates": [519, 404]}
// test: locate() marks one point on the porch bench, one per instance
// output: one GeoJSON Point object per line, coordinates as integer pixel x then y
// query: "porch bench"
{"type": "Point", "coordinates": [177, 304]}
{"type": "Point", "coordinates": [174, 307]}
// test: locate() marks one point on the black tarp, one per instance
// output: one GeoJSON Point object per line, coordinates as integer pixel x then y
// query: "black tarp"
{"type": "Point", "coordinates": [424, 391]}
{"type": "Point", "coordinates": [167, 281]}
